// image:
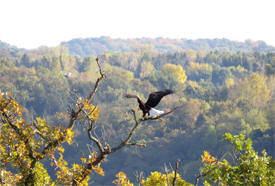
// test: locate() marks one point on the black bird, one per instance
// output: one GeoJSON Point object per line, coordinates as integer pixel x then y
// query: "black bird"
{"type": "Point", "coordinates": [152, 101]}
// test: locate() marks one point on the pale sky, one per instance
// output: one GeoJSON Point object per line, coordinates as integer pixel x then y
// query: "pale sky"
{"type": "Point", "coordinates": [32, 23]}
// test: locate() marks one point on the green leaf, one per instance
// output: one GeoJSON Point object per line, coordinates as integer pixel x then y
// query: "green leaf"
{"type": "Point", "coordinates": [228, 137]}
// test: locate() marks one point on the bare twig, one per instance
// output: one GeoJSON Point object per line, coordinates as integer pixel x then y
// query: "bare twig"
{"type": "Point", "coordinates": [166, 173]}
{"type": "Point", "coordinates": [136, 144]}
{"type": "Point", "coordinates": [232, 156]}
{"type": "Point", "coordinates": [102, 75]}
{"type": "Point", "coordinates": [175, 175]}
{"type": "Point", "coordinates": [202, 175]}
{"type": "Point", "coordinates": [37, 131]}
{"type": "Point", "coordinates": [139, 177]}
{"type": "Point", "coordinates": [94, 139]}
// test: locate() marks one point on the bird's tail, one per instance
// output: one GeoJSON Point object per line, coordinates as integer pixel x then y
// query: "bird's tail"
{"type": "Point", "coordinates": [130, 96]}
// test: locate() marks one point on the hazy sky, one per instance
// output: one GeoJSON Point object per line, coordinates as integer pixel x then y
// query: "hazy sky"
{"type": "Point", "coordinates": [32, 23]}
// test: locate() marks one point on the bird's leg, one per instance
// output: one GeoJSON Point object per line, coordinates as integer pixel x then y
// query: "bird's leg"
{"type": "Point", "coordinates": [144, 113]}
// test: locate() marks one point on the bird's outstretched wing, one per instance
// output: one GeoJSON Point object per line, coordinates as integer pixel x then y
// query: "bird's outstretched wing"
{"type": "Point", "coordinates": [155, 97]}
{"type": "Point", "coordinates": [141, 104]}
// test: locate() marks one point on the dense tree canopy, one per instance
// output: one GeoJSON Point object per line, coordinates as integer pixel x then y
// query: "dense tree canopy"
{"type": "Point", "coordinates": [220, 91]}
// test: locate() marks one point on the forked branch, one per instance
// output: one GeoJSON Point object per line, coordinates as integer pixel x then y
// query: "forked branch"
{"type": "Point", "coordinates": [106, 150]}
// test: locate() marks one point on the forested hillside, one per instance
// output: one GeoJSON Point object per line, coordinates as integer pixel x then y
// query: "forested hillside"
{"type": "Point", "coordinates": [96, 46]}
{"type": "Point", "coordinates": [223, 86]}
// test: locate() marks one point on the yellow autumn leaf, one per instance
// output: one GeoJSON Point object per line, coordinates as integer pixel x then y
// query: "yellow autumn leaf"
{"type": "Point", "coordinates": [2, 149]}
{"type": "Point", "coordinates": [87, 106]}
{"type": "Point", "coordinates": [95, 113]}
{"type": "Point", "coordinates": [61, 149]}
{"type": "Point", "coordinates": [86, 101]}
{"type": "Point", "coordinates": [98, 170]}
{"type": "Point", "coordinates": [9, 94]}
{"type": "Point", "coordinates": [84, 160]}
{"type": "Point", "coordinates": [122, 180]}
{"type": "Point", "coordinates": [70, 132]}
{"type": "Point", "coordinates": [207, 158]}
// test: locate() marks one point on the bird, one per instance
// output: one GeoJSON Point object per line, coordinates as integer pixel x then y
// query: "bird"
{"type": "Point", "coordinates": [152, 101]}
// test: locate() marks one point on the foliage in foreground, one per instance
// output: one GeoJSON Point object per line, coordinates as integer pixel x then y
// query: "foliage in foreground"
{"type": "Point", "coordinates": [24, 146]}
{"type": "Point", "coordinates": [160, 179]}
{"type": "Point", "coordinates": [247, 168]}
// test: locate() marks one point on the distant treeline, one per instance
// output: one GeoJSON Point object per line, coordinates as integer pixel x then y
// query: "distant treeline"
{"type": "Point", "coordinates": [96, 46]}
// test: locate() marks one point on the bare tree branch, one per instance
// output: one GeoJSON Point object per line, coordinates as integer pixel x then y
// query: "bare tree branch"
{"type": "Point", "coordinates": [74, 115]}
{"type": "Point", "coordinates": [106, 150]}
{"type": "Point", "coordinates": [102, 76]}
{"type": "Point", "coordinates": [125, 142]}
{"type": "Point", "coordinates": [136, 144]}
{"type": "Point", "coordinates": [90, 135]}
{"type": "Point", "coordinates": [97, 142]}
